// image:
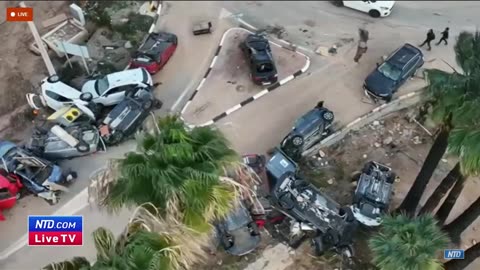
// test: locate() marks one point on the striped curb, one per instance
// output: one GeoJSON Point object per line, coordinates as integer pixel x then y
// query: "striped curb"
{"type": "Point", "coordinates": [250, 99]}
{"type": "Point", "coordinates": [374, 114]}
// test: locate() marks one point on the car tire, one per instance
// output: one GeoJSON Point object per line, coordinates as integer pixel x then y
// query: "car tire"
{"type": "Point", "coordinates": [348, 213]}
{"type": "Point", "coordinates": [87, 97]}
{"type": "Point", "coordinates": [157, 104]}
{"type": "Point", "coordinates": [254, 231]}
{"type": "Point", "coordinates": [287, 205]}
{"type": "Point", "coordinates": [53, 78]}
{"type": "Point", "coordinates": [328, 116]}
{"type": "Point", "coordinates": [116, 138]}
{"type": "Point", "coordinates": [318, 246]}
{"type": "Point", "coordinates": [391, 178]}
{"type": "Point", "coordinates": [297, 140]}
{"type": "Point", "coordinates": [227, 241]}
{"type": "Point", "coordinates": [73, 174]}
{"type": "Point", "coordinates": [82, 147]}
{"type": "Point", "coordinates": [388, 99]}
{"type": "Point", "coordinates": [374, 13]}
{"type": "Point", "coordinates": [147, 105]}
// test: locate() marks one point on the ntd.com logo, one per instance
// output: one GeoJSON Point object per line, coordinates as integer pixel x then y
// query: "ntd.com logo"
{"type": "Point", "coordinates": [458, 254]}
{"type": "Point", "coordinates": [55, 230]}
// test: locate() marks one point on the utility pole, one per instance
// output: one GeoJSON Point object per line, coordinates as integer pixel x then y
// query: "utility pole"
{"type": "Point", "coordinates": [38, 40]}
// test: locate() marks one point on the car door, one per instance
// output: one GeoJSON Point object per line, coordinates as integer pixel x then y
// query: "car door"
{"type": "Point", "coordinates": [363, 5]}
{"type": "Point", "coordinates": [408, 70]}
{"type": "Point", "coordinates": [313, 134]}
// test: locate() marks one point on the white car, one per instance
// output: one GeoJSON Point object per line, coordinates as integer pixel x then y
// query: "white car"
{"type": "Point", "coordinates": [107, 90]}
{"type": "Point", "coordinates": [373, 8]}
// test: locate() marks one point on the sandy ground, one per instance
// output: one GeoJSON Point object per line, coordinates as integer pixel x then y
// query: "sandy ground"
{"type": "Point", "coordinates": [21, 70]}
{"type": "Point", "coordinates": [229, 83]}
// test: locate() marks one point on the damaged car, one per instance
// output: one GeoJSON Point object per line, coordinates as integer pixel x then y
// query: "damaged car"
{"type": "Point", "coordinates": [309, 211]}
{"type": "Point", "coordinates": [307, 131]}
{"type": "Point", "coordinates": [155, 51]}
{"type": "Point", "coordinates": [128, 116]}
{"type": "Point", "coordinates": [257, 50]}
{"type": "Point", "coordinates": [39, 176]}
{"type": "Point", "coordinates": [59, 143]}
{"type": "Point", "coordinates": [373, 193]}
{"type": "Point", "coordinates": [238, 233]}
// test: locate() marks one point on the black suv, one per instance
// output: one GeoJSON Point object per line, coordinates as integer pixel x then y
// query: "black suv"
{"type": "Point", "coordinates": [260, 60]}
{"type": "Point", "coordinates": [308, 130]}
{"type": "Point", "coordinates": [385, 80]}
{"type": "Point", "coordinates": [373, 193]}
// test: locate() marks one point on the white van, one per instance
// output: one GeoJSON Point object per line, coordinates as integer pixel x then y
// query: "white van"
{"type": "Point", "coordinates": [373, 8]}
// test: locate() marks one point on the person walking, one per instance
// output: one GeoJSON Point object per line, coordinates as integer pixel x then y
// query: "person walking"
{"type": "Point", "coordinates": [362, 44]}
{"type": "Point", "coordinates": [430, 37]}
{"type": "Point", "coordinates": [444, 36]}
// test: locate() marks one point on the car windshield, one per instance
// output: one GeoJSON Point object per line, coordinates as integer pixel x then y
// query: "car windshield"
{"type": "Point", "coordinates": [390, 71]}
{"type": "Point", "coordinates": [101, 85]}
{"type": "Point", "coordinates": [306, 122]}
{"type": "Point", "coordinates": [264, 67]}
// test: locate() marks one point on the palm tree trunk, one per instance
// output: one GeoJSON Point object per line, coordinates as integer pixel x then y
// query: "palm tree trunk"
{"type": "Point", "coordinates": [441, 190]}
{"type": "Point", "coordinates": [456, 227]}
{"type": "Point", "coordinates": [444, 210]}
{"type": "Point", "coordinates": [470, 255]}
{"type": "Point", "coordinates": [410, 203]}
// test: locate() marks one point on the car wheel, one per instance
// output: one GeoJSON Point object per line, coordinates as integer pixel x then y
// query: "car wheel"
{"type": "Point", "coordinates": [157, 104]}
{"type": "Point", "coordinates": [116, 137]}
{"type": "Point", "coordinates": [328, 116]}
{"type": "Point", "coordinates": [285, 201]}
{"type": "Point", "coordinates": [147, 105]}
{"type": "Point", "coordinates": [318, 246]}
{"type": "Point", "coordinates": [227, 241]}
{"type": "Point", "coordinates": [73, 174]}
{"type": "Point", "coordinates": [388, 99]}
{"type": "Point", "coordinates": [391, 178]}
{"type": "Point", "coordinates": [253, 228]}
{"type": "Point", "coordinates": [297, 140]}
{"type": "Point", "coordinates": [53, 79]}
{"type": "Point", "coordinates": [374, 13]}
{"type": "Point", "coordinates": [82, 147]}
{"type": "Point", "coordinates": [87, 97]}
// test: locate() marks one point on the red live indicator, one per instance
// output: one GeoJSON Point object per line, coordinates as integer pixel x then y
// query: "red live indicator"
{"type": "Point", "coordinates": [19, 14]}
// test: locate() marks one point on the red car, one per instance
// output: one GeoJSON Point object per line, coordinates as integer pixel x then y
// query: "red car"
{"type": "Point", "coordinates": [155, 51]}
{"type": "Point", "coordinates": [10, 187]}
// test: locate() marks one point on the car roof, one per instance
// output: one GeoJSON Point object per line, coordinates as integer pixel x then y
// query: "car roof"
{"type": "Point", "coordinates": [238, 218]}
{"type": "Point", "coordinates": [260, 46]}
{"type": "Point", "coordinates": [124, 77]}
{"type": "Point", "coordinates": [62, 89]}
{"type": "Point", "coordinates": [155, 43]}
{"type": "Point", "coordinates": [403, 55]}
{"type": "Point", "coordinates": [6, 146]}
{"type": "Point", "coordinates": [303, 123]}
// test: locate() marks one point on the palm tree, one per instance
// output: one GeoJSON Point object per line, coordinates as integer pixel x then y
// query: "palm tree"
{"type": "Point", "coordinates": [406, 243]}
{"type": "Point", "coordinates": [148, 243]}
{"type": "Point", "coordinates": [447, 93]}
{"type": "Point", "coordinates": [177, 167]}
{"type": "Point", "coordinates": [471, 255]}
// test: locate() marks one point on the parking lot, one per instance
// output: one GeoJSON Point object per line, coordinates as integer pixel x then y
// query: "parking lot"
{"type": "Point", "coordinates": [228, 82]}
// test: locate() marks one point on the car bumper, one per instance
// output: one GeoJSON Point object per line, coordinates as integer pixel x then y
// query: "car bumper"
{"type": "Point", "coordinates": [385, 13]}
{"type": "Point", "coordinates": [370, 222]}
{"type": "Point", "coordinates": [373, 96]}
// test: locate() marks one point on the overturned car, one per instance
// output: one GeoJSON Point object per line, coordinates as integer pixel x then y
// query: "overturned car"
{"type": "Point", "coordinates": [311, 212]}
{"type": "Point", "coordinates": [373, 193]}
{"type": "Point", "coordinates": [127, 117]}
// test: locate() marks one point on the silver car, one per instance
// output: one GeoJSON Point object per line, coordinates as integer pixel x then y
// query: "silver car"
{"type": "Point", "coordinates": [47, 144]}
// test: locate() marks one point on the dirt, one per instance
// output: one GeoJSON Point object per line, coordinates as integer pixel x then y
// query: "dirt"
{"type": "Point", "coordinates": [20, 70]}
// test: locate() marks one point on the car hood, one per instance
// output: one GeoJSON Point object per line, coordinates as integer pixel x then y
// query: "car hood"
{"type": "Point", "coordinates": [378, 84]}
{"type": "Point", "coordinates": [89, 87]}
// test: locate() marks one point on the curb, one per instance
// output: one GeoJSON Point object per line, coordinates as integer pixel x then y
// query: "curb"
{"type": "Point", "coordinates": [376, 113]}
{"type": "Point", "coordinates": [250, 99]}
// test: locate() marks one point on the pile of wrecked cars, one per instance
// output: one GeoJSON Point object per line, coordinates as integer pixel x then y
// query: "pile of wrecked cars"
{"type": "Point", "coordinates": [295, 210]}
{"type": "Point", "coordinates": [108, 110]}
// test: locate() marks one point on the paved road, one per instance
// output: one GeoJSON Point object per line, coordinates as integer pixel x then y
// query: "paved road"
{"type": "Point", "coordinates": [262, 124]}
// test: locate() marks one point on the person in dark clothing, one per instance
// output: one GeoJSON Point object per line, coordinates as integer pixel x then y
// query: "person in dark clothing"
{"type": "Point", "coordinates": [319, 104]}
{"type": "Point", "coordinates": [430, 37]}
{"type": "Point", "coordinates": [444, 36]}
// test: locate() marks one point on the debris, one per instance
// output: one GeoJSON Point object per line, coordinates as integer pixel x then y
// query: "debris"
{"type": "Point", "coordinates": [128, 45]}
{"type": "Point", "coordinates": [220, 262]}
{"type": "Point", "coordinates": [397, 179]}
{"type": "Point", "coordinates": [474, 242]}
{"type": "Point", "coordinates": [377, 145]}
{"type": "Point", "coordinates": [319, 158]}
{"type": "Point", "coordinates": [333, 49]}
{"type": "Point", "coordinates": [417, 140]}
{"type": "Point", "coordinates": [388, 140]}
{"type": "Point", "coordinates": [55, 20]}
{"type": "Point", "coordinates": [376, 123]}
{"type": "Point", "coordinates": [321, 153]}
{"type": "Point", "coordinates": [444, 160]}
{"type": "Point", "coordinates": [354, 183]}
{"type": "Point", "coordinates": [321, 50]}
{"type": "Point", "coordinates": [365, 156]}
{"type": "Point", "coordinates": [331, 181]}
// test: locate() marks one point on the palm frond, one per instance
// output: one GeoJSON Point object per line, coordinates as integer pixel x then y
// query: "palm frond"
{"type": "Point", "coordinates": [76, 263]}
{"type": "Point", "coordinates": [408, 244]}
